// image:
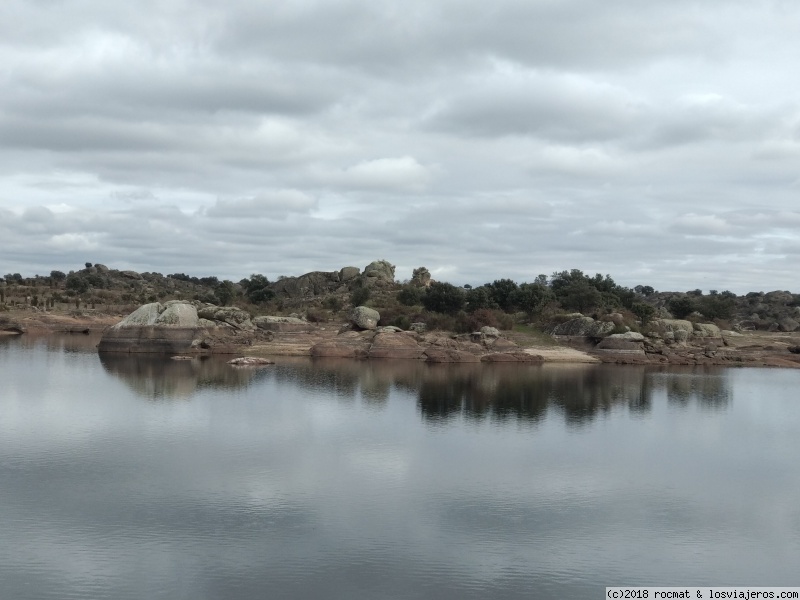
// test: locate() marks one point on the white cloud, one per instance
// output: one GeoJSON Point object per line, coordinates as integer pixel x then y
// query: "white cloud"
{"type": "Point", "coordinates": [265, 205]}
{"type": "Point", "coordinates": [403, 173]}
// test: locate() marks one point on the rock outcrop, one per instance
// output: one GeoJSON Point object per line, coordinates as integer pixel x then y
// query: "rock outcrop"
{"type": "Point", "coordinates": [11, 327]}
{"type": "Point", "coordinates": [379, 271]}
{"type": "Point", "coordinates": [312, 284]}
{"type": "Point", "coordinates": [282, 324]}
{"type": "Point", "coordinates": [175, 327]}
{"type": "Point", "coordinates": [230, 315]}
{"type": "Point", "coordinates": [395, 345]}
{"type": "Point", "coordinates": [584, 327]}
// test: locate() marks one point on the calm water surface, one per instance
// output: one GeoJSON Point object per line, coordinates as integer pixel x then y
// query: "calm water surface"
{"type": "Point", "coordinates": [138, 477]}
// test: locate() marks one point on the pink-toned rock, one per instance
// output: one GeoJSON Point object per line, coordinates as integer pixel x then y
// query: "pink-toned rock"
{"type": "Point", "coordinates": [340, 349]}
{"type": "Point", "coordinates": [518, 356]}
{"type": "Point", "coordinates": [448, 355]}
{"type": "Point", "coordinates": [395, 345]}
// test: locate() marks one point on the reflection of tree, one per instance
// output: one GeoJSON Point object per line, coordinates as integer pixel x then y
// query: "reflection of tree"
{"type": "Point", "coordinates": [579, 392]}
{"type": "Point", "coordinates": [708, 386]}
{"type": "Point", "coordinates": [471, 391]}
{"type": "Point", "coordinates": [156, 377]}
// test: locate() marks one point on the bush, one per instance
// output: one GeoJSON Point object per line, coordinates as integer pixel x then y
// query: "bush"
{"type": "Point", "coordinates": [316, 316]}
{"type": "Point", "coordinates": [643, 311]}
{"type": "Point", "coordinates": [359, 296]}
{"type": "Point", "coordinates": [438, 321]}
{"type": "Point", "coordinates": [681, 307]}
{"type": "Point", "coordinates": [402, 321]}
{"type": "Point", "coordinates": [410, 295]}
{"type": "Point", "coordinates": [333, 303]}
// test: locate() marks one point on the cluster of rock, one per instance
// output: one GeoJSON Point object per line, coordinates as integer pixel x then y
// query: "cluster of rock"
{"type": "Point", "coordinates": [319, 283]}
{"type": "Point", "coordinates": [675, 333]}
{"type": "Point", "coordinates": [364, 339]}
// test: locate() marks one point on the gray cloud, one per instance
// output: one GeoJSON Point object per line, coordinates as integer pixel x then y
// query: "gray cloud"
{"type": "Point", "coordinates": [656, 143]}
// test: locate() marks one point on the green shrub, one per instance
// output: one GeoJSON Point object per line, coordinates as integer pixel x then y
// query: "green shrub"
{"type": "Point", "coordinates": [402, 321]}
{"type": "Point", "coordinates": [681, 306]}
{"type": "Point", "coordinates": [333, 303]}
{"type": "Point", "coordinates": [359, 296]}
{"type": "Point", "coordinates": [410, 296]}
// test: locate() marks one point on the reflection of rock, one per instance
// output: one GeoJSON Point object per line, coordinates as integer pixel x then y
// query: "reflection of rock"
{"type": "Point", "coordinates": [159, 377]}
{"type": "Point", "coordinates": [11, 327]}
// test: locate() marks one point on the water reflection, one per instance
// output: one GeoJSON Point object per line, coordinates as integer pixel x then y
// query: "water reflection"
{"type": "Point", "coordinates": [579, 392]}
{"type": "Point", "coordinates": [499, 392]}
{"type": "Point", "coordinates": [157, 377]}
{"type": "Point", "coordinates": [67, 343]}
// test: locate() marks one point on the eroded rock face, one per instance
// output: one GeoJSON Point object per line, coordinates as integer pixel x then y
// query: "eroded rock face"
{"type": "Point", "coordinates": [628, 336]}
{"type": "Point", "coordinates": [11, 327]}
{"type": "Point", "coordinates": [584, 327]}
{"type": "Point", "coordinates": [395, 345]}
{"type": "Point", "coordinates": [707, 330]}
{"type": "Point", "coordinates": [621, 345]}
{"type": "Point", "coordinates": [449, 355]}
{"type": "Point", "coordinates": [281, 324]}
{"type": "Point", "coordinates": [174, 327]}
{"type": "Point", "coordinates": [348, 273]}
{"type": "Point", "coordinates": [235, 317]}
{"type": "Point", "coordinates": [364, 317]}
{"type": "Point", "coordinates": [308, 285]}
{"type": "Point", "coordinates": [381, 270]}
{"type": "Point", "coordinates": [347, 345]}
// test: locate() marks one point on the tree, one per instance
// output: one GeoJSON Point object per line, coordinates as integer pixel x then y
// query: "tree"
{"type": "Point", "coordinates": [532, 298]}
{"type": "Point", "coordinates": [443, 298]}
{"type": "Point", "coordinates": [478, 298]}
{"type": "Point", "coordinates": [410, 295]}
{"type": "Point", "coordinates": [88, 265]}
{"type": "Point", "coordinates": [717, 306]}
{"type": "Point", "coordinates": [77, 283]}
{"type": "Point", "coordinates": [643, 311]}
{"type": "Point", "coordinates": [580, 296]}
{"type": "Point", "coordinates": [501, 291]}
{"type": "Point", "coordinates": [359, 295]}
{"type": "Point", "coordinates": [257, 289]}
{"type": "Point", "coordinates": [225, 292]}
{"type": "Point", "coordinates": [681, 306]}
{"type": "Point", "coordinates": [57, 276]}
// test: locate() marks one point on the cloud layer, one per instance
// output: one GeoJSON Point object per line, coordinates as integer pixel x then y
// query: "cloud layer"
{"type": "Point", "coordinates": [657, 143]}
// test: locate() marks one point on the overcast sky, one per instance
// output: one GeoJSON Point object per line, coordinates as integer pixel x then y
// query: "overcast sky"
{"type": "Point", "coordinates": [658, 142]}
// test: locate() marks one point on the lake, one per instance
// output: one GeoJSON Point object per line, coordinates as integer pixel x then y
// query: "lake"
{"type": "Point", "coordinates": [142, 477]}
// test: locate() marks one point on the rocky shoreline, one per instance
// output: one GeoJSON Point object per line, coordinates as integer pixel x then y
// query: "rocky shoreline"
{"type": "Point", "coordinates": [226, 330]}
